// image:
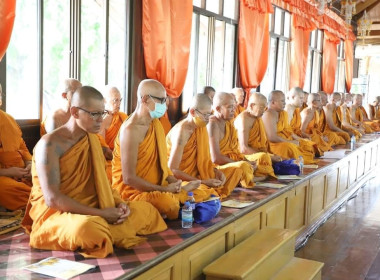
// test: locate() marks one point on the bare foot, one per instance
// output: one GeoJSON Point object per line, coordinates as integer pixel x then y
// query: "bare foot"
{"type": "Point", "coordinates": [191, 185]}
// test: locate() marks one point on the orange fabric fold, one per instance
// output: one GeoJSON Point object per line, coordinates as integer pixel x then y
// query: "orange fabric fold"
{"type": "Point", "coordinates": [166, 123]}
{"type": "Point", "coordinates": [257, 138]}
{"type": "Point", "coordinates": [7, 17]}
{"type": "Point", "coordinates": [113, 130]}
{"type": "Point", "coordinates": [349, 53]}
{"type": "Point", "coordinates": [91, 235]}
{"type": "Point", "coordinates": [369, 126]}
{"type": "Point", "coordinates": [334, 138]}
{"type": "Point", "coordinates": [238, 110]}
{"type": "Point", "coordinates": [166, 35]}
{"type": "Point", "coordinates": [329, 61]}
{"type": "Point", "coordinates": [253, 28]}
{"type": "Point", "coordinates": [13, 153]}
{"type": "Point", "coordinates": [316, 135]}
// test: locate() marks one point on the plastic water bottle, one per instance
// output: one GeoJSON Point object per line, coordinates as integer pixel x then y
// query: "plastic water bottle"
{"type": "Point", "coordinates": [187, 215]}
{"type": "Point", "coordinates": [353, 142]}
{"type": "Point", "coordinates": [301, 163]}
{"type": "Point", "coordinates": [191, 199]}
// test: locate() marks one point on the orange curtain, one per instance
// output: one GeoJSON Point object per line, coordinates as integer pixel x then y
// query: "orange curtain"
{"type": "Point", "coordinates": [299, 48]}
{"type": "Point", "coordinates": [7, 17]}
{"type": "Point", "coordinates": [253, 42]}
{"type": "Point", "coordinates": [349, 53]}
{"type": "Point", "coordinates": [166, 35]}
{"type": "Point", "coordinates": [329, 61]}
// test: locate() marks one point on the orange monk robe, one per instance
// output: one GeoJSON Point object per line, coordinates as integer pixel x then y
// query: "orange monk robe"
{"type": "Point", "coordinates": [317, 142]}
{"type": "Point", "coordinates": [196, 162]}
{"type": "Point", "coordinates": [375, 111]}
{"type": "Point", "coordinates": [316, 135]}
{"type": "Point", "coordinates": [288, 150]}
{"type": "Point", "coordinates": [13, 153]}
{"type": "Point", "coordinates": [42, 127]}
{"type": "Point", "coordinates": [349, 120]}
{"type": "Point", "coordinates": [229, 147]}
{"type": "Point", "coordinates": [334, 137]}
{"type": "Point", "coordinates": [51, 229]}
{"type": "Point", "coordinates": [369, 126]}
{"type": "Point", "coordinates": [257, 138]}
{"type": "Point", "coordinates": [238, 110]}
{"type": "Point", "coordinates": [337, 119]}
{"type": "Point", "coordinates": [152, 166]}
{"type": "Point", "coordinates": [304, 105]}
{"type": "Point", "coordinates": [166, 123]}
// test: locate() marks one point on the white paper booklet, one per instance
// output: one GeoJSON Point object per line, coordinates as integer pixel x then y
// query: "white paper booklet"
{"type": "Point", "coordinates": [233, 203]}
{"type": "Point", "coordinates": [270, 185]}
{"type": "Point", "coordinates": [59, 268]}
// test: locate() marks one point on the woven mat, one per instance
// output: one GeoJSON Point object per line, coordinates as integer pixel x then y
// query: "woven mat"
{"type": "Point", "coordinates": [10, 221]}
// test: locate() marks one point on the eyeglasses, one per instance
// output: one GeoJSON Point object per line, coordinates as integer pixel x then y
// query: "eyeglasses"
{"type": "Point", "coordinates": [205, 115]}
{"type": "Point", "coordinates": [162, 100]}
{"type": "Point", "coordinates": [95, 115]}
{"type": "Point", "coordinates": [117, 100]}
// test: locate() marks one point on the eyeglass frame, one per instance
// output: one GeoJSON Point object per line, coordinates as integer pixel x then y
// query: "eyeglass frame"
{"type": "Point", "coordinates": [94, 115]}
{"type": "Point", "coordinates": [205, 115]}
{"type": "Point", "coordinates": [161, 99]}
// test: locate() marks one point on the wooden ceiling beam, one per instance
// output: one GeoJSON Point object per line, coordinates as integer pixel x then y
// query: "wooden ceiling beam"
{"type": "Point", "coordinates": [360, 7]}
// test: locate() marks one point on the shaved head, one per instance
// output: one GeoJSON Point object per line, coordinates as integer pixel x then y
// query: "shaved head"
{"type": "Point", "coordinates": [112, 98]}
{"type": "Point", "coordinates": [222, 98]}
{"type": "Point", "coordinates": [295, 91]}
{"type": "Point", "coordinates": [201, 101]}
{"type": "Point", "coordinates": [256, 104]}
{"type": "Point", "coordinates": [274, 95]}
{"type": "Point", "coordinates": [256, 98]}
{"type": "Point", "coordinates": [150, 87]}
{"type": "Point", "coordinates": [239, 95]}
{"type": "Point", "coordinates": [323, 97]}
{"type": "Point", "coordinates": [348, 97]}
{"type": "Point", "coordinates": [84, 95]}
{"type": "Point", "coordinates": [71, 85]}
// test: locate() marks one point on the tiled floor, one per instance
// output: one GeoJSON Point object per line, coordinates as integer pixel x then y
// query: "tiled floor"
{"type": "Point", "coordinates": [15, 252]}
{"type": "Point", "coordinates": [349, 242]}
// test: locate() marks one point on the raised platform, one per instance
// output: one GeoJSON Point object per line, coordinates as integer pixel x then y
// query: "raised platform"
{"type": "Point", "coordinates": [182, 253]}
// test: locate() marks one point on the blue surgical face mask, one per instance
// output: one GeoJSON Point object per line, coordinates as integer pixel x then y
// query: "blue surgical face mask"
{"type": "Point", "coordinates": [159, 111]}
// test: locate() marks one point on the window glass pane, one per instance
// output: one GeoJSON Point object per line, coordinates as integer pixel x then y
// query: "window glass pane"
{"type": "Point", "coordinates": [56, 52]}
{"type": "Point", "coordinates": [218, 60]}
{"type": "Point", "coordinates": [213, 6]}
{"type": "Point", "coordinates": [286, 67]}
{"type": "Point", "coordinates": [279, 68]}
{"type": "Point", "coordinates": [116, 46]}
{"type": "Point", "coordinates": [92, 51]}
{"type": "Point", "coordinates": [22, 96]}
{"type": "Point", "coordinates": [197, 3]}
{"type": "Point", "coordinates": [267, 83]}
{"type": "Point", "coordinates": [202, 53]}
{"type": "Point", "coordinates": [312, 39]}
{"type": "Point", "coordinates": [278, 21]}
{"type": "Point", "coordinates": [188, 90]}
{"type": "Point", "coordinates": [320, 40]}
{"type": "Point", "coordinates": [229, 9]}
{"type": "Point", "coordinates": [271, 23]}
{"type": "Point", "coordinates": [307, 84]}
{"type": "Point", "coordinates": [287, 25]}
{"type": "Point", "coordinates": [316, 73]}
{"type": "Point", "coordinates": [229, 54]}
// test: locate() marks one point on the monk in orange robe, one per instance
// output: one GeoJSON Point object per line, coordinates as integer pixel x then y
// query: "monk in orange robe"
{"type": "Point", "coordinates": [282, 140]}
{"type": "Point", "coordinates": [239, 97]}
{"type": "Point", "coordinates": [374, 109]}
{"type": "Point", "coordinates": [72, 205]}
{"type": "Point", "coordinates": [111, 124]}
{"type": "Point", "coordinates": [310, 121]}
{"type": "Point", "coordinates": [359, 114]}
{"type": "Point", "coordinates": [209, 91]}
{"type": "Point", "coordinates": [305, 98]}
{"type": "Point", "coordinates": [140, 168]}
{"type": "Point", "coordinates": [347, 121]}
{"type": "Point", "coordinates": [334, 138]}
{"type": "Point", "coordinates": [253, 141]}
{"type": "Point", "coordinates": [189, 152]}
{"type": "Point", "coordinates": [15, 164]}
{"type": "Point", "coordinates": [223, 140]}
{"type": "Point", "coordinates": [60, 116]}
{"type": "Point", "coordinates": [333, 116]}
{"type": "Point", "coordinates": [294, 101]}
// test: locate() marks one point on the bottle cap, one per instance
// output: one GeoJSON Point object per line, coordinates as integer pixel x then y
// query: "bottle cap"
{"type": "Point", "coordinates": [187, 204]}
{"type": "Point", "coordinates": [190, 194]}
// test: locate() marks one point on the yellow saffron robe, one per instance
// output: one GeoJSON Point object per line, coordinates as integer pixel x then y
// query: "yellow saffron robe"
{"type": "Point", "coordinates": [238, 110]}
{"type": "Point", "coordinates": [13, 153]}
{"type": "Point", "coordinates": [349, 120]}
{"type": "Point", "coordinates": [375, 111]}
{"type": "Point", "coordinates": [166, 123]}
{"type": "Point", "coordinates": [337, 119]}
{"type": "Point", "coordinates": [316, 135]}
{"type": "Point", "coordinates": [51, 229]}
{"type": "Point", "coordinates": [369, 126]}
{"type": "Point", "coordinates": [152, 166]}
{"type": "Point", "coordinates": [229, 146]}
{"type": "Point", "coordinates": [318, 144]}
{"type": "Point", "coordinates": [334, 137]}
{"type": "Point", "coordinates": [289, 150]}
{"type": "Point", "coordinates": [196, 162]}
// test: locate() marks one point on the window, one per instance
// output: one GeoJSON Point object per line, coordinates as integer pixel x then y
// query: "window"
{"type": "Point", "coordinates": [212, 53]}
{"type": "Point", "coordinates": [39, 62]}
{"type": "Point", "coordinates": [22, 68]}
{"type": "Point", "coordinates": [314, 62]}
{"type": "Point", "coordinates": [340, 78]}
{"type": "Point", "coordinates": [278, 70]}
